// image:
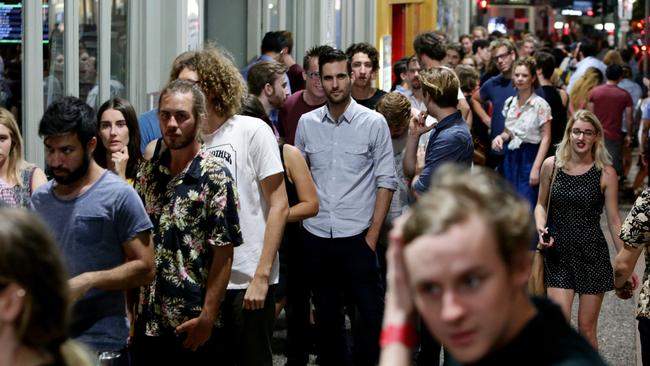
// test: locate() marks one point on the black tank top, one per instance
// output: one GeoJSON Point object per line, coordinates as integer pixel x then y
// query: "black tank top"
{"type": "Point", "coordinates": [559, 114]}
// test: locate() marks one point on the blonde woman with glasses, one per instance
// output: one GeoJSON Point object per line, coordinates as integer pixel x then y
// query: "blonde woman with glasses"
{"type": "Point", "coordinates": [577, 258]}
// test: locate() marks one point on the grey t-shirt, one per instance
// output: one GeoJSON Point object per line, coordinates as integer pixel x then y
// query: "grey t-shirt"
{"type": "Point", "coordinates": [90, 230]}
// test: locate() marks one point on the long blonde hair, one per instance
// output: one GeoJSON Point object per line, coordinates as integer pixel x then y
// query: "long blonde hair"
{"type": "Point", "coordinates": [564, 151]}
{"type": "Point", "coordinates": [15, 161]}
{"type": "Point", "coordinates": [580, 92]}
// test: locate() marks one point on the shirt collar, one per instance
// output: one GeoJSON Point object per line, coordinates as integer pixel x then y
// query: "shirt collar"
{"type": "Point", "coordinates": [449, 120]}
{"type": "Point", "coordinates": [347, 116]}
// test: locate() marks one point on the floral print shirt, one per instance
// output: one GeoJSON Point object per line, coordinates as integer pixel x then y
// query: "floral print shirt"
{"type": "Point", "coordinates": [191, 213]}
{"type": "Point", "coordinates": [525, 122]}
{"type": "Point", "coordinates": [635, 232]}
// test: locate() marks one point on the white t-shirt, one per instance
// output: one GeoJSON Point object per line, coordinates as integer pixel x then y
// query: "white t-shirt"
{"type": "Point", "coordinates": [249, 150]}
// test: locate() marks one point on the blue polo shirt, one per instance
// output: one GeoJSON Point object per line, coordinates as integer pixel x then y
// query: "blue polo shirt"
{"type": "Point", "coordinates": [496, 90]}
{"type": "Point", "coordinates": [449, 142]}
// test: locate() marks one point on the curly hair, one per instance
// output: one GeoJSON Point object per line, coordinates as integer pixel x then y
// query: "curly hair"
{"type": "Point", "coordinates": [396, 108]}
{"type": "Point", "coordinates": [220, 81]}
{"type": "Point", "coordinates": [186, 60]}
{"type": "Point", "coordinates": [531, 65]}
{"type": "Point", "coordinates": [366, 48]}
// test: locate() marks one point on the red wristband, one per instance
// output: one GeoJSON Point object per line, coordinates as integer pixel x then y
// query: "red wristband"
{"type": "Point", "coordinates": [404, 334]}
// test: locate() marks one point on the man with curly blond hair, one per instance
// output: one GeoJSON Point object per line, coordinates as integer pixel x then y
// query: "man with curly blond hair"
{"type": "Point", "coordinates": [250, 151]}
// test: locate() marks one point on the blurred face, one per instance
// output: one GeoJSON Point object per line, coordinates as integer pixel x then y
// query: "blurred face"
{"type": "Point", "coordinates": [527, 49]}
{"type": "Point", "coordinates": [177, 123]}
{"type": "Point", "coordinates": [279, 91]}
{"type": "Point", "coordinates": [522, 78]}
{"type": "Point", "coordinates": [453, 58]}
{"type": "Point", "coordinates": [485, 54]}
{"type": "Point", "coordinates": [312, 79]}
{"type": "Point", "coordinates": [336, 82]}
{"type": "Point", "coordinates": [427, 62]}
{"type": "Point", "coordinates": [187, 74]}
{"type": "Point", "coordinates": [398, 129]}
{"type": "Point", "coordinates": [503, 59]}
{"type": "Point", "coordinates": [113, 131]}
{"type": "Point", "coordinates": [583, 136]}
{"type": "Point", "coordinates": [467, 45]}
{"type": "Point", "coordinates": [468, 61]}
{"type": "Point", "coordinates": [478, 34]}
{"type": "Point", "coordinates": [67, 160]}
{"type": "Point", "coordinates": [463, 289]}
{"type": "Point", "coordinates": [362, 72]}
{"type": "Point", "coordinates": [6, 143]}
{"type": "Point", "coordinates": [412, 74]}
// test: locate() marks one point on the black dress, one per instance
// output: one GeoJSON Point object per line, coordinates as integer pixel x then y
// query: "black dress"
{"type": "Point", "coordinates": [291, 232]}
{"type": "Point", "coordinates": [579, 259]}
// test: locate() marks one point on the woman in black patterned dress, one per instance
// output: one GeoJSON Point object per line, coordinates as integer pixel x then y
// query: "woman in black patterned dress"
{"type": "Point", "coordinates": [577, 260]}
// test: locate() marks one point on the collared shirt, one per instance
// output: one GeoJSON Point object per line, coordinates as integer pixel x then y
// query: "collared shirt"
{"type": "Point", "coordinates": [349, 159]}
{"type": "Point", "coordinates": [450, 141]}
{"type": "Point", "coordinates": [191, 213]}
{"type": "Point", "coordinates": [525, 122]}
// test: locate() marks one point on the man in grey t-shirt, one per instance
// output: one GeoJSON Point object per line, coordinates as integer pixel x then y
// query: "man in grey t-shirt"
{"type": "Point", "coordinates": [99, 223]}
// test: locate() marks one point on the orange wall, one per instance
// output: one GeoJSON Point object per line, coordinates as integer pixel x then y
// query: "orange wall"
{"type": "Point", "coordinates": [420, 17]}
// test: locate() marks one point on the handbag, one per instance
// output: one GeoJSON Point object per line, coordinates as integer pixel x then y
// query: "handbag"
{"type": "Point", "coordinates": [536, 280]}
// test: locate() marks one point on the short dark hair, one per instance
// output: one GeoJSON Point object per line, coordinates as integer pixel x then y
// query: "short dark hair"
{"type": "Point", "coordinates": [587, 48]}
{"type": "Point", "coordinates": [135, 155]}
{"type": "Point", "coordinates": [545, 62]}
{"type": "Point", "coordinates": [262, 73]}
{"type": "Point", "coordinates": [313, 52]}
{"type": "Point", "coordinates": [400, 67]}
{"type": "Point", "coordinates": [330, 56]}
{"type": "Point", "coordinates": [455, 46]}
{"type": "Point", "coordinates": [614, 72]}
{"type": "Point", "coordinates": [430, 44]}
{"type": "Point", "coordinates": [366, 48]}
{"type": "Point", "coordinates": [274, 41]}
{"type": "Point", "coordinates": [69, 115]}
{"type": "Point", "coordinates": [480, 43]}
{"type": "Point", "coordinates": [467, 77]}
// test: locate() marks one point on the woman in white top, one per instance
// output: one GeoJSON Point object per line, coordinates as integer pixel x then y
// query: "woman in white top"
{"type": "Point", "coordinates": [527, 134]}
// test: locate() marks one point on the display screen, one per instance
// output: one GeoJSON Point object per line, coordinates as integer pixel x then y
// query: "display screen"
{"type": "Point", "coordinates": [11, 20]}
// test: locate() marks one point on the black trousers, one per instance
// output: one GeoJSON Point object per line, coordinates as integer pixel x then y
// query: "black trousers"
{"type": "Point", "coordinates": [644, 337]}
{"type": "Point", "coordinates": [169, 350]}
{"type": "Point", "coordinates": [345, 271]}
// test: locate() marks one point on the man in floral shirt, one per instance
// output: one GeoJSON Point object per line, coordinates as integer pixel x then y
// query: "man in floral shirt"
{"type": "Point", "coordinates": [635, 233]}
{"type": "Point", "coordinates": [191, 200]}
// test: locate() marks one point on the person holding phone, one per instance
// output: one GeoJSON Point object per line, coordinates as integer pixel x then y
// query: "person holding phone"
{"type": "Point", "coordinates": [577, 259]}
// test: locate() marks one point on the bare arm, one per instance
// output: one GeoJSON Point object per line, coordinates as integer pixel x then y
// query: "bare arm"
{"type": "Point", "coordinates": [137, 271]}
{"type": "Point", "coordinates": [275, 195]}
{"type": "Point", "coordinates": [199, 329]}
{"type": "Point", "coordinates": [541, 211]}
{"type": "Point", "coordinates": [609, 183]}
{"type": "Point", "coordinates": [300, 176]}
{"type": "Point", "coordinates": [629, 123]}
{"type": "Point", "coordinates": [624, 264]}
{"type": "Point", "coordinates": [38, 179]}
{"type": "Point", "coordinates": [477, 107]}
{"type": "Point", "coordinates": [564, 96]}
{"type": "Point", "coordinates": [541, 153]}
{"type": "Point", "coordinates": [464, 109]}
{"type": "Point", "coordinates": [382, 203]}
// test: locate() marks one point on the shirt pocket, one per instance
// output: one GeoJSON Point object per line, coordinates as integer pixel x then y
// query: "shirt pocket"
{"type": "Point", "coordinates": [356, 157]}
{"type": "Point", "coordinates": [319, 155]}
{"type": "Point", "coordinates": [95, 244]}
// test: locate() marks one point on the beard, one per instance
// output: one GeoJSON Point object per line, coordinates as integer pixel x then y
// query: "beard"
{"type": "Point", "coordinates": [72, 176]}
{"type": "Point", "coordinates": [182, 141]}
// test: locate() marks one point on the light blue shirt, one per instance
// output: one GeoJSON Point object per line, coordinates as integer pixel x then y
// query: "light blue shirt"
{"type": "Point", "coordinates": [349, 160]}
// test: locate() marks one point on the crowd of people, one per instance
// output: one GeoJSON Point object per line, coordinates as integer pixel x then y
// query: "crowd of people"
{"type": "Point", "coordinates": [303, 188]}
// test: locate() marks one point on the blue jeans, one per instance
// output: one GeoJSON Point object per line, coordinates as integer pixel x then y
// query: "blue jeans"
{"type": "Point", "coordinates": [345, 271]}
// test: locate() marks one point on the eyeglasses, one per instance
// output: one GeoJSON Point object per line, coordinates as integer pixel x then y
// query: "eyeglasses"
{"type": "Point", "coordinates": [576, 132]}
{"type": "Point", "coordinates": [501, 56]}
{"type": "Point", "coordinates": [313, 75]}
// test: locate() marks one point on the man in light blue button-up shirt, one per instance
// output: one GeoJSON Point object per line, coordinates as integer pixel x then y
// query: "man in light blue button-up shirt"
{"type": "Point", "coordinates": [350, 155]}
